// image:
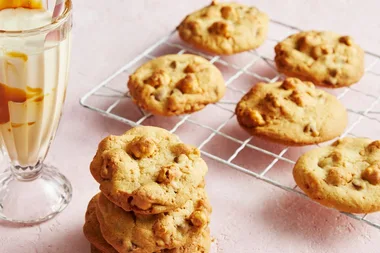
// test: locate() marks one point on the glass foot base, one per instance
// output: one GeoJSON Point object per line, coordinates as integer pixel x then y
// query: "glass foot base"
{"type": "Point", "coordinates": [33, 201]}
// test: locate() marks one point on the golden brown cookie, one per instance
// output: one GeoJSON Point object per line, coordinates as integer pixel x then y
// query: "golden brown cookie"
{"type": "Point", "coordinates": [225, 28]}
{"type": "Point", "coordinates": [176, 84]}
{"type": "Point", "coordinates": [324, 58]}
{"type": "Point", "coordinates": [199, 244]}
{"type": "Point", "coordinates": [91, 230]}
{"type": "Point", "coordinates": [344, 176]}
{"type": "Point", "coordinates": [291, 112]}
{"type": "Point", "coordinates": [148, 170]}
{"type": "Point", "coordinates": [130, 232]}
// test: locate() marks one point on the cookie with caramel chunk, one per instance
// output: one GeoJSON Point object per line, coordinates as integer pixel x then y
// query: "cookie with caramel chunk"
{"type": "Point", "coordinates": [148, 170]}
{"type": "Point", "coordinates": [176, 84]}
{"type": "Point", "coordinates": [291, 112]}
{"type": "Point", "coordinates": [324, 58]}
{"type": "Point", "coordinates": [225, 28]}
{"type": "Point", "coordinates": [344, 176]}
{"type": "Point", "coordinates": [130, 232]}
{"type": "Point", "coordinates": [200, 237]}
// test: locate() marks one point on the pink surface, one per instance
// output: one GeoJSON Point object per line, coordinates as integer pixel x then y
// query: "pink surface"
{"type": "Point", "coordinates": [249, 215]}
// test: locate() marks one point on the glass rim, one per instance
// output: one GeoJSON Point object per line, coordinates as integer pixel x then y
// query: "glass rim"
{"type": "Point", "coordinates": [46, 28]}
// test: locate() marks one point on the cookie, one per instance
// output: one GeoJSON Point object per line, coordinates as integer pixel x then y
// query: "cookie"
{"type": "Point", "coordinates": [291, 112]}
{"type": "Point", "coordinates": [324, 58]}
{"type": "Point", "coordinates": [225, 28]}
{"type": "Point", "coordinates": [91, 230]}
{"type": "Point", "coordinates": [199, 244]}
{"type": "Point", "coordinates": [344, 176]}
{"type": "Point", "coordinates": [130, 232]}
{"type": "Point", "coordinates": [176, 84]}
{"type": "Point", "coordinates": [148, 170]}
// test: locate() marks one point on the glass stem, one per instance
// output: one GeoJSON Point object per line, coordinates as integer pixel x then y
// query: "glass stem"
{"type": "Point", "coordinates": [28, 173]}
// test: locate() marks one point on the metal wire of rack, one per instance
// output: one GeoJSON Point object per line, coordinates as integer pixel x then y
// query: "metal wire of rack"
{"type": "Point", "coordinates": [115, 93]}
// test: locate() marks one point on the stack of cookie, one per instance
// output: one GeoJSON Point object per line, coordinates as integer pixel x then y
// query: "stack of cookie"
{"type": "Point", "coordinates": [152, 195]}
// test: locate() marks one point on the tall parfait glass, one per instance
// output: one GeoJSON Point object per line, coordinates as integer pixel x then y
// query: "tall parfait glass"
{"type": "Point", "coordinates": [34, 63]}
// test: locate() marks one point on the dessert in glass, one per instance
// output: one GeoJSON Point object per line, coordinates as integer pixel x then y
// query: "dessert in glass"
{"type": "Point", "coordinates": [34, 63]}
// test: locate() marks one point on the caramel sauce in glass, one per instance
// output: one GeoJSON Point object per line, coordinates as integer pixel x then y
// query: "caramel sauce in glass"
{"type": "Point", "coordinates": [9, 94]}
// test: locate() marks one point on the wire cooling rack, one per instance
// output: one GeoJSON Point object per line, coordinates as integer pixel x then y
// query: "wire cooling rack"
{"type": "Point", "coordinates": [221, 137]}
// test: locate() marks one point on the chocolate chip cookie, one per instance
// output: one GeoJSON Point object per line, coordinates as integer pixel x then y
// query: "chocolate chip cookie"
{"type": "Point", "coordinates": [291, 112]}
{"type": "Point", "coordinates": [176, 84]}
{"type": "Point", "coordinates": [324, 58]}
{"type": "Point", "coordinates": [344, 176]}
{"type": "Point", "coordinates": [225, 28]}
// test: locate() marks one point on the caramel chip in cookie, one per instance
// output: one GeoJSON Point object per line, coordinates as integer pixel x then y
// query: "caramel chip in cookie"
{"type": "Point", "coordinates": [291, 112]}
{"type": "Point", "coordinates": [324, 58]}
{"type": "Point", "coordinates": [225, 28]}
{"type": "Point", "coordinates": [200, 243]}
{"type": "Point", "coordinates": [176, 84]}
{"type": "Point", "coordinates": [130, 232]}
{"type": "Point", "coordinates": [148, 170]}
{"type": "Point", "coordinates": [344, 176]}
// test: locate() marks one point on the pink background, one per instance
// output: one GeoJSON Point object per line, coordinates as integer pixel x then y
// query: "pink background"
{"type": "Point", "coordinates": [249, 215]}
